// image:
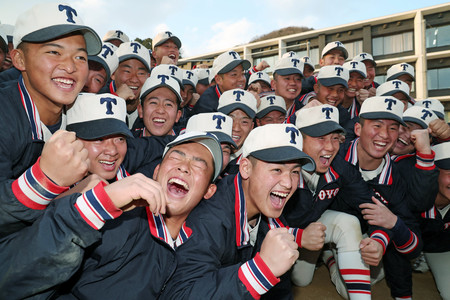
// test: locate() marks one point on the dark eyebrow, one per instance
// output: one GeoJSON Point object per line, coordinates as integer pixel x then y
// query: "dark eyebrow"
{"type": "Point", "coordinates": [196, 158]}
{"type": "Point", "coordinates": [61, 47]}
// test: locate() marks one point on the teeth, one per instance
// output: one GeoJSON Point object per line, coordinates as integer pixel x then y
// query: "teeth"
{"type": "Point", "coordinates": [292, 90]}
{"type": "Point", "coordinates": [235, 137]}
{"type": "Point", "coordinates": [403, 141]}
{"type": "Point", "coordinates": [171, 56]}
{"type": "Point", "coordinates": [62, 80]}
{"type": "Point", "coordinates": [352, 90]}
{"type": "Point", "coordinates": [327, 156]}
{"type": "Point", "coordinates": [133, 87]}
{"type": "Point", "coordinates": [380, 144]}
{"type": "Point", "coordinates": [179, 182]}
{"type": "Point", "coordinates": [107, 162]}
{"type": "Point", "coordinates": [159, 120]}
{"type": "Point", "coordinates": [280, 194]}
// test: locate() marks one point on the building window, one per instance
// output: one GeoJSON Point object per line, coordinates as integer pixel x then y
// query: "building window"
{"type": "Point", "coordinates": [437, 79]}
{"type": "Point", "coordinates": [438, 36]}
{"type": "Point", "coordinates": [313, 55]}
{"type": "Point", "coordinates": [354, 48]}
{"type": "Point", "coordinates": [271, 60]}
{"type": "Point", "coordinates": [392, 44]}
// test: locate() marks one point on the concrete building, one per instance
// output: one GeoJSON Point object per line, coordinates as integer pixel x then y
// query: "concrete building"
{"type": "Point", "coordinates": [419, 37]}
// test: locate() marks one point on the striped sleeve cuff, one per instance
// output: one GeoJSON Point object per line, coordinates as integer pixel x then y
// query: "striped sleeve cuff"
{"type": "Point", "coordinates": [381, 237]}
{"type": "Point", "coordinates": [405, 240]}
{"type": "Point", "coordinates": [298, 233]}
{"type": "Point", "coordinates": [95, 207]}
{"type": "Point", "coordinates": [34, 189]}
{"type": "Point", "coordinates": [425, 161]}
{"type": "Point", "coordinates": [257, 277]}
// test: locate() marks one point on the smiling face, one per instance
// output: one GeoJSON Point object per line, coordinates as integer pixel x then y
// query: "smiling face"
{"type": "Point", "coordinates": [333, 57]}
{"type": "Point", "coordinates": [96, 78]}
{"type": "Point", "coordinates": [159, 112]}
{"type": "Point", "coordinates": [288, 87]}
{"type": "Point", "coordinates": [404, 144]}
{"type": "Point", "coordinates": [242, 125]}
{"type": "Point", "coordinates": [273, 117]}
{"type": "Point", "coordinates": [377, 137]}
{"type": "Point", "coordinates": [332, 95]}
{"type": "Point", "coordinates": [133, 74]}
{"type": "Point", "coordinates": [106, 155]}
{"type": "Point", "coordinates": [54, 72]}
{"type": "Point", "coordinates": [185, 176]}
{"type": "Point", "coordinates": [168, 48]}
{"type": "Point", "coordinates": [355, 83]}
{"type": "Point", "coordinates": [235, 79]}
{"type": "Point", "coordinates": [370, 70]}
{"type": "Point", "coordinates": [268, 186]}
{"type": "Point", "coordinates": [322, 149]}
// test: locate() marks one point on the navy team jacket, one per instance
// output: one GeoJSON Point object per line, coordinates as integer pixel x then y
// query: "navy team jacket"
{"type": "Point", "coordinates": [208, 102]}
{"type": "Point", "coordinates": [218, 261]}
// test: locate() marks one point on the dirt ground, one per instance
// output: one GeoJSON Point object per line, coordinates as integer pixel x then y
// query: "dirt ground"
{"type": "Point", "coordinates": [322, 288]}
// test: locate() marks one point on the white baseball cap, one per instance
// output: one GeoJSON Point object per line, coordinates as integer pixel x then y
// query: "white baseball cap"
{"type": "Point", "coordinates": [169, 70]}
{"type": "Point", "coordinates": [289, 65]}
{"type": "Point", "coordinates": [392, 87]}
{"type": "Point", "coordinates": [130, 50]}
{"type": "Point", "coordinates": [261, 75]}
{"type": "Point", "coordinates": [335, 45]}
{"type": "Point", "coordinates": [277, 143]}
{"type": "Point", "coordinates": [156, 81]}
{"type": "Point", "coordinates": [384, 107]}
{"type": "Point", "coordinates": [163, 37]}
{"type": "Point", "coordinates": [49, 21]}
{"type": "Point", "coordinates": [107, 58]}
{"type": "Point", "coordinates": [398, 70]}
{"type": "Point", "coordinates": [93, 116]}
{"type": "Point", "coordinates": [318, 120]}
{"type": "Point", "coordinates": [307, 61]}
{"type": "Point", "coordinates": [419, 115]}
{"type": "Point", "coordinates": [442, 155]}
{"type": "Point", "coordinates": [203, 75]}
{"type": "Point", "coordinates": [365, 56]}
{"type": "Point", "coordinates": [290, 54]}
{"type": "Point", "coordinates": [227, 61]}
{"type": "Point", "coordinates": [190, 78]}
{"type": "Point", "coordinates": [206, 139]}
{"type": "Point", "coordinates": [332, 75]}
{"type": "Point", "coordinates": [116, 35]}
{"type": "Point", "coordinates": [217, 123]}
{"type": "Point", "coordinates": [237, 99]}
{"type": "Point", "coordinates": [270, 103]}
{"type": "Point", "coordinates": [356, 66]}
{"type": "Point", "coordinates": [434, 104]}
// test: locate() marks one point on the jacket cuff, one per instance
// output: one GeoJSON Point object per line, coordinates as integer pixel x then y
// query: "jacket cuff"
{"type": "Point", "coordinates": [257, 277]}
{"type": "Point", "coordinates": [425, 161]}
{"type": "Point", "coordinates": [34, 189]}
{"type": "Point", "coordinates": [382, 238]}
{"type": "Point", "coordinates": [405, 240]}
{"type": "Point", "coordinates": [298, 233]}
{"type": "Point", "coordinates": [95, 206]}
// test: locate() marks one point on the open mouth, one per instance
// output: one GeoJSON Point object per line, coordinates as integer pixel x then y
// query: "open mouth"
{"type": "Point", "coordinates": [278, 199]}
{"type": "Point", "coordinates": [108, 165]}
{"type": "Point", "coordinates": [380, 145]}
{"type": "Point", "coordinates": [172, 56]}
{"type": "Point", "coordinates": [236, 137]}
{"type": "Point", "coordinates": [64, 83]}
{"type": "Point", "coordinates": [158, 121]}
{"type": "Point", "coordinates": [325, 159]}
{"type": "Point", "coordinates": [177, 186]}
{"type": "Point", "coordinates": [332, 102]}
{"type": "Point", "coordinates": [403, 141]}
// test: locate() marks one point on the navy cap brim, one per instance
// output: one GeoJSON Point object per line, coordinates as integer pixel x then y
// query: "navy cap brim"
{"type": "Point", "coordinates": [397, 75]}
{"type": "Point", "coordinates": [439, 114]}
{"type": "Point", "coordinates": [333, 81]}
{"type": "Point", "coordinates": [288, 71]}
{"type": "Point", "coordinates": [416, 121]}
{"type": "Point", "coordinates": [158, 86]}
{"type": "Point", "coordinates": [381, 115]}
{"type": "Point", "coordinates": [322, 129]}
{"type": "Point", "coordinates": [96, 129]}
{"type": "Point", "coordinates": [224, 138]}
{"type": "Point", "coordinates": [283, 154]}
{"type": "Point", "coordinates": [390, 93]}
{"type": "Point", "coordinates": [233, 64]}
{"type": "Point", "coordinates": [268, 109]}
{"type": "Point", "coordinates": [174, 39]}
{"type": "Point", "coordinates": [188, 82]}
{"type": "Point", "coordinates": [443, 163]}
{"type": "Point", "coordinates": [133, 56]}
{"type": "Point", "coordinates": [232, 107]}
{"type": "Point", "coordinates": [204, 81]}
{"type": "Point", "coordinates": [103, 63]}
{"type": "Point", "coordinates": [3, 45]}
{"type": "Point", "coordinates": [93, 41]}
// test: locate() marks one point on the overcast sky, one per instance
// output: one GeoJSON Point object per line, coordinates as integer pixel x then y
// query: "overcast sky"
{"type": "Point", "coordinates": [206, 26]}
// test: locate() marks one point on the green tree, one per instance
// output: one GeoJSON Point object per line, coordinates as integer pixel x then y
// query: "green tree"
{"type": "Point", "coordinates": [146, 42]}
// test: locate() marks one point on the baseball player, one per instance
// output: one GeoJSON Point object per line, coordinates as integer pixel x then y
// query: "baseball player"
{"type": "Point", "coordinates": [53, 70]}
{"type": "Point", "coordinates": [357, 74]}
{"type": "Point", "coordinates": [166, 48]}
{"type": "Point", "coordinates": [242, 250]}
{"type": "Point", "coordinates": [116, 37]}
